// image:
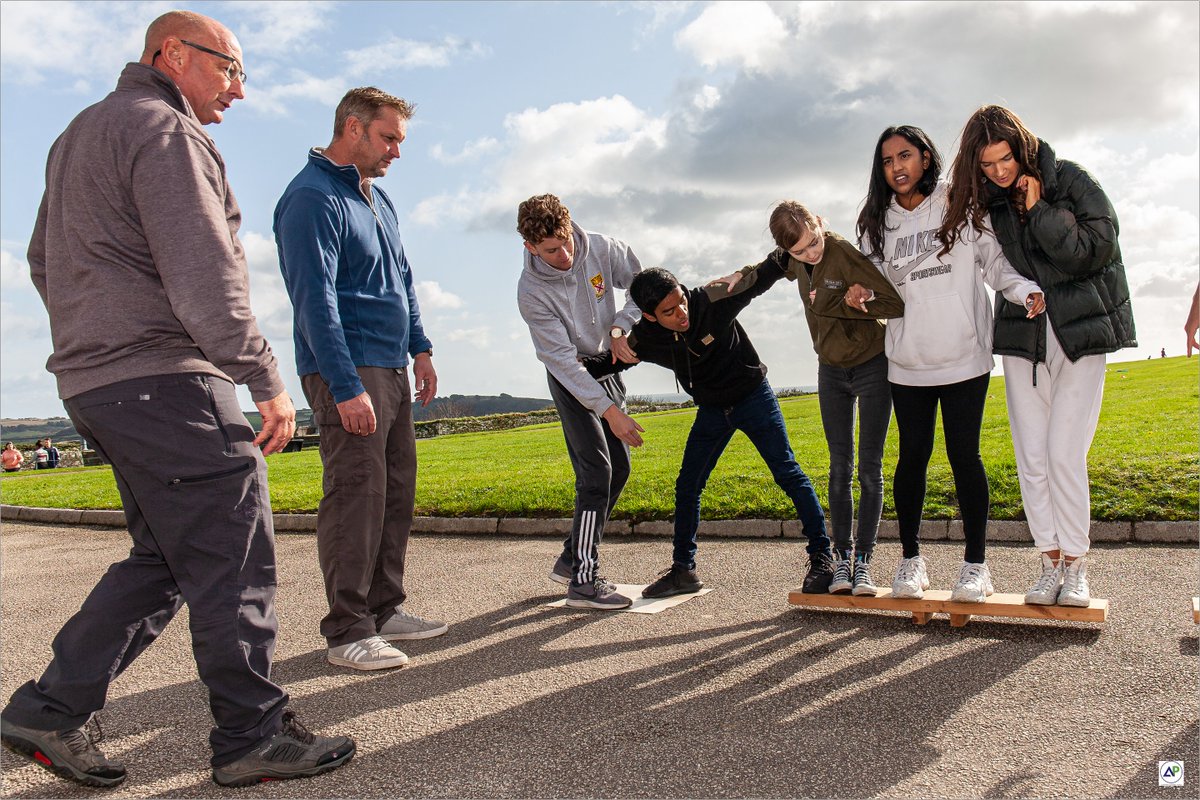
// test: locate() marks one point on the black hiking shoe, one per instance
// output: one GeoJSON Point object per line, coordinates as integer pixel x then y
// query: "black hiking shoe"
{"type": "Point", "coordinates": [69, 754]}
{"type": "Point", "coordinates": [820, 573]}
{"type": "Point", "coordinates": [672, 581]}
{"type": "Point", "coordinates": [291, 753]}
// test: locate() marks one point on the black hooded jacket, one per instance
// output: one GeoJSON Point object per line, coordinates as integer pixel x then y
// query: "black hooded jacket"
{"type": "Point", "coordinates": [1068, 244]}
{"type": "Point", "coordinates": [713, 360]}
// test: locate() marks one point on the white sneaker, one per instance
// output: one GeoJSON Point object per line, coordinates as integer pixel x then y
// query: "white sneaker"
{"type": "Point", "coordinates": [1044, 591]}
{"type": "Point", "coordinates": [404, 625]}
{"type": "Point", "coordinates": [912, 579]}
{"type": "Point", "coordinates": [366, 654]}
{"type": "Point", "coordinates": [1075, 590]}
{"type": "Point", "coordinates": [974, 584]}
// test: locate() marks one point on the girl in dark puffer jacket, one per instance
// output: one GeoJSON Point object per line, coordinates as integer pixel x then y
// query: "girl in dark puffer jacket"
{"type": "Point", "coordinates": [1057, 227]}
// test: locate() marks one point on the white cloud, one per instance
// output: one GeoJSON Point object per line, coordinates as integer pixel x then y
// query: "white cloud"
{"type": "Point", "coordinates": [432, 296]}
{"type": "Point", "coordinates": [273, 28]}
{"type": "Point", "coordinates": [86, 42]}
{"type": "Point", "coordinates": [476, 337]}
{"type": "Point", "coordinates": [470, 151]}
{"type": "Point", "coordinates": [395, 53]}
{"type": "Point", "coordinates": [747, 35]}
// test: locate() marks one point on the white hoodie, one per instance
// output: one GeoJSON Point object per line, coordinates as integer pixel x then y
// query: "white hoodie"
{"type": "Point", "coordinates": [945, 335]}
{"type": "Point", "coordinates": [570, 313]}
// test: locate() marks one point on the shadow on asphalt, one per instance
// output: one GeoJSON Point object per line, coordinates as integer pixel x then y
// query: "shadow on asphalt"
{"type": "Point", "coordinates": [664, 730]}
{"type": "Point", "coordinates": [1182, 748]}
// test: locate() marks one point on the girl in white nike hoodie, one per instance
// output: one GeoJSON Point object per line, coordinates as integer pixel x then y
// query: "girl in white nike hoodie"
{"type": "Point", "coordinates": [940, 351]}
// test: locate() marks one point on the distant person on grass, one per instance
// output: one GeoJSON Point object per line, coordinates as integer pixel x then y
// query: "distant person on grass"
{"type": "Point", "coordinates": [1192, 324]}
{"type": "Point", "coordinates": [52, 455]}
{"type": "Point", "coordinates": [566, 296]}
{"type": "Point", "coordinates": [357, 330]}
{"type": "Point", "coordinates": [11, 458]}
{"type": "Point", "coordinates": [695, 334]}
{"type": "Point", "coordinates": [41, 456]}
{"type": "Point", "coordinates": [1058, 228]}
{"type": "Point", "coordinates": [136, 256]}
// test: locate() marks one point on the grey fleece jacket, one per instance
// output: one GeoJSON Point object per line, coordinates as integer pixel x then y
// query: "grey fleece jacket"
{"type": "Point", "coordinates": [570, 313]}
{"type": "Point", "coordinates": [135, 252]}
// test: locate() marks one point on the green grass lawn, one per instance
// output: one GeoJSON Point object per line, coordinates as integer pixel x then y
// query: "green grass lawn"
{"type": "Point", "coordinates": [1143, 464]}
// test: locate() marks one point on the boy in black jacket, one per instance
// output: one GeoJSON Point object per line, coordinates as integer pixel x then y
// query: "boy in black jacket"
{"type": "Point", "coordinates": [695, 333]}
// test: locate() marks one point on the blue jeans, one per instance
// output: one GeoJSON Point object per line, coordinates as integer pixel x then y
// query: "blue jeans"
{"type": "Point", "coordinates": [759, 417]}
{"type": "Point", "coordinates": [840, 392]}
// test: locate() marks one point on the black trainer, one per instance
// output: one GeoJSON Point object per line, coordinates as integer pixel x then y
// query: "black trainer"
{"type": "Point", "coordinates": [820, 573]}
{"type": "Point", "coordinates": [291, 753]}
{"type": "Point", "coordinates": [674, 580]}
{"type": "Point", "coordinates": [69, 754]}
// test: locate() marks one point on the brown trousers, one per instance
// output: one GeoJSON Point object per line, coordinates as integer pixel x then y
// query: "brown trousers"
{"type": "Point", "coordinates": [365, 515]}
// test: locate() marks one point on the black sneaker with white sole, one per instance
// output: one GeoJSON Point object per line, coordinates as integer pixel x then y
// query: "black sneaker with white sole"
{"type": "Point", "coordinates": [294, 752]}
{"type": "Point", "coordinates": [69, 754]}
{"type": "Point", "coordinates": [600, 594]}
{"type": "Point", "coordinates": [672, 581]}
{"type": "Point", "coordinates": [561, 573]}
{"type": "Point", "coordinates": [820, 573]}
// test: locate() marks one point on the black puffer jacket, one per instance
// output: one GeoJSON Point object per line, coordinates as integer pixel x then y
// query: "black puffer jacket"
{"type": "Point", "coordinates": [1068, 244]}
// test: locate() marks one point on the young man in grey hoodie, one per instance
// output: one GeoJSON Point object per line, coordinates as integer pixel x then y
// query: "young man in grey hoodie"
{"type": "Point", "coordinates": [565, 295]}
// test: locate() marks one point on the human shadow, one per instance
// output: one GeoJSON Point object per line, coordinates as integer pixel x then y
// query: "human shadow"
{"type": "Point", "coordinates": [729, 716]}
{"type": "Point", "coordinates": [1184, 747]}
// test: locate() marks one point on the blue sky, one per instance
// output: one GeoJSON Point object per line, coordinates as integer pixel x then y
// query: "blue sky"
{"type": "Point", "coordinates": [673, 126]}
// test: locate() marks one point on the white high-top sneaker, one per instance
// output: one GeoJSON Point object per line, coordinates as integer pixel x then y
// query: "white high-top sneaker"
{"type": "Point", "coordinates": [1075, 590]}
{"type": "Point", "coordinates": [1044, 591]}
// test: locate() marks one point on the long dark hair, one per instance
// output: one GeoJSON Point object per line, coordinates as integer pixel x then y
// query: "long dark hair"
{"type": "Point", "coordinates": [987, 126]}
{"type": "Point", "coordinates": [872, 218]}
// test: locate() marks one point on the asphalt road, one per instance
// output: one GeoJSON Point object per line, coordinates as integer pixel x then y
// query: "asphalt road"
{"type": "Point", "coordinates": [733, 694]}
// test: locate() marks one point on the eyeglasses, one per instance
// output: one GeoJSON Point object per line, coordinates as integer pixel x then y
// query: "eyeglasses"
{"type": "Point", "coordinates": [232, 72]}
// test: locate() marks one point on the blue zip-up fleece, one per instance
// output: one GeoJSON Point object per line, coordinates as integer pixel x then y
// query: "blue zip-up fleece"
{"type": "Point", "coordinates": [345, 270]}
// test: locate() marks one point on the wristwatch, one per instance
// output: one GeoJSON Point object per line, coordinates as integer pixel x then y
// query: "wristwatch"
{"type": "Point", "coordinates": [616, 332]}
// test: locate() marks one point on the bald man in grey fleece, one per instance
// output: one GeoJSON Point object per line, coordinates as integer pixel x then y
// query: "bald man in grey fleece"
{"type": "Point", "coordinates": [136, 256]}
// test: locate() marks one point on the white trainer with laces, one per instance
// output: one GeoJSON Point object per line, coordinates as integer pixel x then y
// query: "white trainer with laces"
{"type": "Point", "coordinates": [403, 625]}
{"type": "Point", "coordinates": [1044, 591]}
{"type": "Point", "coordinates": [366, 654]}
{"type": "Point", "coordinates": [1075, 590]}
{"type": "Point", "coordinates": [974, 584]}
{"type": "Point", "coordinates": [912, 579]}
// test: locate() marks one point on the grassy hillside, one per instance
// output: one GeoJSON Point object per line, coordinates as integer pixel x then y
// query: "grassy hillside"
{"type": "Point", "coordinates": [1143, 463]}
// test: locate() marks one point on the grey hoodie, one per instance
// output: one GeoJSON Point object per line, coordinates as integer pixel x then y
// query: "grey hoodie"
{"type": "Point", "coordinates": [571, 312]}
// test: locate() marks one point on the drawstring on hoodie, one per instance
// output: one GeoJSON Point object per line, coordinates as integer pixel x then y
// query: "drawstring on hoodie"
{"type": "Point", "coordinates": [687, 361]}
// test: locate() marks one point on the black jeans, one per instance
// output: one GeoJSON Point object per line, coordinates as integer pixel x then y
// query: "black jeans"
{"type": "Point", "coordinates": [840, 392]}
{"type": "Point", "coordinates": [601, 464]}
{"type": "Point", "coordinates": [962, 418]}
{"type": "Point", "coordinates": [194, 490]}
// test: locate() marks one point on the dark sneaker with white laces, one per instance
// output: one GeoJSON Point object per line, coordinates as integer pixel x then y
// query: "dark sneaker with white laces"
{"type": "Point", "coordinates": [820, 573]}
{"type": "Point", "coordinates": [561, 573]}
{"type": "Point", "coordinates": [294, 752]}
{"type": "Point", "coordinates": [69, 754]}
{"type": "Point", "coordinates": [864, 585]}
{"type": "Point", "coordinates": [600, 594]}
{"type": "Point", "coordinates": [843, 576]}
{"type": "Point", "coordinates": [672, 581]}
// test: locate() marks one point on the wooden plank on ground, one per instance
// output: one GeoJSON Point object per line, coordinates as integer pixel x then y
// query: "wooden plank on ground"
{"type": "Point", "coordinates": [1196, 610]}
{"type": "Point", "coordinates": [937, 601]}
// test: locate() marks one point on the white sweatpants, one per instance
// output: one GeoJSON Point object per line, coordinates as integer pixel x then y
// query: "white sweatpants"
{"type": "Point", "coordinates": [1052, 428]}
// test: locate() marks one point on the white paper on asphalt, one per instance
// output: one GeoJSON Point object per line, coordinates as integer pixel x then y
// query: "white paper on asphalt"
{"type": "Point", "coordinates": [641, 605]}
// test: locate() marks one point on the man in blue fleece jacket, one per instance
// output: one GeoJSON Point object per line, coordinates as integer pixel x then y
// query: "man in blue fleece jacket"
{"type": "Point", "coordinates": [357, 326]}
